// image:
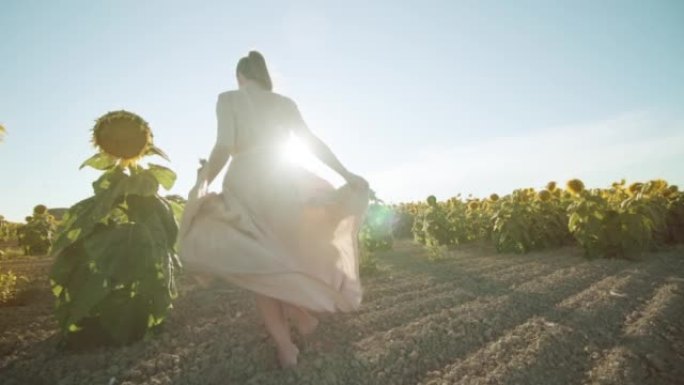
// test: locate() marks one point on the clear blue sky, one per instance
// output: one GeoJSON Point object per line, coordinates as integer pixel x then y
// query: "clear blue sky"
{"type": "Point", "coordinates": [422, 97]}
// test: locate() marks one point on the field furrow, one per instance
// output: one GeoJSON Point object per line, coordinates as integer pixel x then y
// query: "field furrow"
{"type": "Point", "coordinates": [477, 318]}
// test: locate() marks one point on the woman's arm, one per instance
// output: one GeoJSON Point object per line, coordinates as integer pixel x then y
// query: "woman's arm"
{"type": "Point", "coordinates": [218, 158]}
{"type": "Point", "coordinates": [315, 144]}
{"type": "Point", "coordinates": [323, 152]}
{"type": "Point", "coordinates": [225, 137]}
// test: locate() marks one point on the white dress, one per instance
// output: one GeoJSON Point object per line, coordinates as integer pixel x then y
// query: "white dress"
{"type": "Point", "coordinates": [276, 228]}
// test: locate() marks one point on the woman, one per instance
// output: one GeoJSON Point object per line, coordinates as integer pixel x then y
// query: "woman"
{"type": "Point", "coordinates": [275, 229]}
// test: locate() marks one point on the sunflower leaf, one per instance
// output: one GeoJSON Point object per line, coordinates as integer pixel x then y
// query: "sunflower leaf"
{"type": "Point", "coordinates": [177, 209]}
{"type": "Point", "coordinates": [154, 150]}
{"type": "Point", "coordinates": [163, 175]}
{"type": "Point", "coordinates": [125, 317]}
{"type": "Point", "coordinates": [99, 161]}
{"type": "Point", "coordinates": [143, 184]}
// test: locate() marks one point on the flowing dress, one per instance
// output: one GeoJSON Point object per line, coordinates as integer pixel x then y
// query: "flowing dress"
{"type": "Point", "coordinates": [276, 228]}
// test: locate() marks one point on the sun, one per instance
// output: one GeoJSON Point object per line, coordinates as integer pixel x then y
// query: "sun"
{"type": "Point", "coordinates": [298, 152]}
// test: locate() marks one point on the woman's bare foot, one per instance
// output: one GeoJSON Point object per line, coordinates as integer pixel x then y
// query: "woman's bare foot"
{"type": "Point", "coordinates": [287, 356]}
{"type": "Point", "coordinates": [273, 313]}
{"type": "Point", "coordinates": [304, 321]}
{"type": "Point", "coordinates": [307, 324]}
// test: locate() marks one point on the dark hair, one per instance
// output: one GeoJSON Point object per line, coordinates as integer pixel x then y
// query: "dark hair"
{"type": "Point", "coordinates": [253, 66]}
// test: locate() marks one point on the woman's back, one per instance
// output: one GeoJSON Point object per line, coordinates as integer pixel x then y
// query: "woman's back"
{"type": "Point", "coordinates": [253, 117]}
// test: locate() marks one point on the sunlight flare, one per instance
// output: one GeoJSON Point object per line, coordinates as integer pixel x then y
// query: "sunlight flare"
{"type": "Point", "coordinates": [297, 152]}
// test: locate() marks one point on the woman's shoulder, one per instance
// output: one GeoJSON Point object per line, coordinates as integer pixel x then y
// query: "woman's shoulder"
{"type": "Point", "coordinates": [231, 99]}
{"type": "Point", "coordinates": [228, 95]}
{"type": "Point", "coordinates": [239, 97]}
{"type": "Point", "coordinates": [238, 93]}
{"type": "Point", "coordinates": [284, 100]}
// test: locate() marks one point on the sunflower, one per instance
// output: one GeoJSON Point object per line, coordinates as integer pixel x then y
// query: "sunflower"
{"type": "Point", "coordinates": [432, 200]}
{"type": "Point", "coordinates": [544, 195]}
{"type": "Point", "coordinates": [576, 186]}
{"type": "Point", "coordinates": [551, 186]}
{"type": "Point", "coordinates": [39, 210]}
{"type": "Point", "coordinates": [635, 188]}
{"type": "Point", "coordinates": [473, 205]}
{"type": "Point", "coordinates": [656, 185]}
{"type": "Point", "coordinates": [122, 135]}
{"type": "Point", "coordinates": [494, 197]}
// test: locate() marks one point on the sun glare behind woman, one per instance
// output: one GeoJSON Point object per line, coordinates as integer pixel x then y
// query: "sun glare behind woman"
{"type": "Point", "coordinates": [297, 153]}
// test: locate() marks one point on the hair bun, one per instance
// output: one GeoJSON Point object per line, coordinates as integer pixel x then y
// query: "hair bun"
{"type": "Point", "coordinates": [253, 66]}
{"type": "Point", "coordinates": [256, 56]}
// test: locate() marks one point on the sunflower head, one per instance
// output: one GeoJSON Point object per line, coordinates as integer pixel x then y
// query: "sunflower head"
{"type": "Point", "coordinates": [494, 197]}
{"type": "Point", "coordinates": [544, 195]}
{"type": "Point", "coordinates": [525, 194]}
{"type": "Point", "coordinates": [122, 135]}
{"type": "Point", "coordinates": [473, 205]}
{"type": "Point", "coordinates": [551, 186]}
{"type": "Point", "coordinates": [432, 200]}
{"type": "Point", "coordinates": [635, 188]}
{"type": "Point", "coordinates": [659, 184]}
{"type": "Point", "coordinates": [39, 210]}
{"type": "Point", "coordinates": [576, 186]}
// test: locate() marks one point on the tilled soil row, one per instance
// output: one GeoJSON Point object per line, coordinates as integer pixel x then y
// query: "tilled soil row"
{"type": "Point", "coordinates": [476, 318]}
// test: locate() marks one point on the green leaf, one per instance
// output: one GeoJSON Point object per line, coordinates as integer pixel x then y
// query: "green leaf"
{"type": "Point", "coordinates": [157, 151]}
{"type": "Point", "coordinates": [177, 209]}
{"type": "Point", "coordinates": [100, 161]}
{"type": "Point", "coordinates": [88, 295]}
{"type": "Point", "coordinates": [157, 215]}
{"type": "Point", "coordinates": [82, 218]}
{"type": "Point", "coordinates": [56, 289]}
{"type": "Point", "coordinates": [163, 175]}
{"type": "Point", "coordinates": [124, 318]}
{"type": "Point", "coordinates": [109, 179]}
{"type": "Point", "coordinates": [65, 264]}
{"type": "Point", "coordinates": [72, 224]}
{"type": "Point", "coordinates": [143, 184]}
{"type": "Point", "coordinates": [124, 252]}
{"type": "Point", "coordinates": [157, 296]}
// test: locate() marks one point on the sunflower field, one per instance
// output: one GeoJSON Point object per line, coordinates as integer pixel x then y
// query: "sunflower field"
{"type": "Point", "coordinates": [621, 221]}
{"type": "Point", "coordinates": [8, 231]}
{"type": "Point", "coordinates": [36, 236]}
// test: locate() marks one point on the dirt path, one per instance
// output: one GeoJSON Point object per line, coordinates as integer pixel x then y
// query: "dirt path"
{"type": "Point", "coordinates": [479, 318]}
